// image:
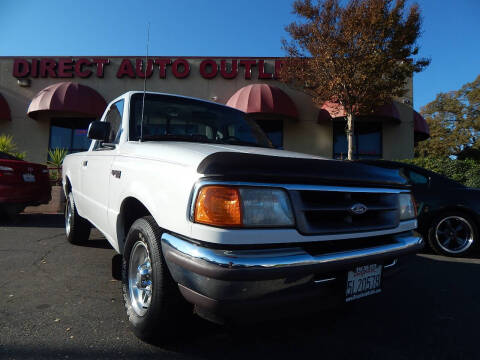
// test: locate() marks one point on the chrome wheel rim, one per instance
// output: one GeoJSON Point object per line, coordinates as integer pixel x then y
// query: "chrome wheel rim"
{"type": "Point", "coordinates": [68, 216]}
{"type": "Point", "coordinates": [454, 234]}
{"type": "Point", "coordinates": [140, 277]}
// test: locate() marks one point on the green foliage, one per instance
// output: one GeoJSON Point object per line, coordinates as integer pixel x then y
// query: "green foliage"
{"type": "Point", "coordinates": [7, 145]}
{"type": "Point", "coordinates": [466, 172]}
{"type": "Point", "coordinates": [56, 157]}
{"type": "Point", "coordinates": [454, 121]}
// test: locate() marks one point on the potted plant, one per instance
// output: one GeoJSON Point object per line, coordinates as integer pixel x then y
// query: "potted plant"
{"type": "Point", "coordinates": [55, 161]}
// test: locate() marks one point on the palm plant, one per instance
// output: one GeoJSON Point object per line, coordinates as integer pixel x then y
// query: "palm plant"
{"type": "Point", "coordinates": [7, 145]}
{"type": "Point", "coordinates": [56, 157]}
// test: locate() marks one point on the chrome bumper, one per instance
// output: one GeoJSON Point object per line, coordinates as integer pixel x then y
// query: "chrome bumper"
{"type": "Point", "coordinates": [239, 275]}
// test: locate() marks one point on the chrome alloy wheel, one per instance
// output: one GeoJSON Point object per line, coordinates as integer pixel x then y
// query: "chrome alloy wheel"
{"type": "Point", "coordinates": [140, 278]}
{"type": "Point", "coordinates": [68, 215]}
{"type": "Point", "coordinates": [454, 234]}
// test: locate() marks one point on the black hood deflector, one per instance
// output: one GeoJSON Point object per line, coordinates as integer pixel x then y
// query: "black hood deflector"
{"type": "Point", "coordinates": [276, 169]}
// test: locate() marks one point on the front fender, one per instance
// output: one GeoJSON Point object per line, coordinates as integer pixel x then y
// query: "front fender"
{"type": "Point", "coordinates": [163, 189]}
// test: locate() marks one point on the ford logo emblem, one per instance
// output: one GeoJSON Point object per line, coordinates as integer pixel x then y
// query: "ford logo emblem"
{"type": "Point", "coordinates": [358, 209]}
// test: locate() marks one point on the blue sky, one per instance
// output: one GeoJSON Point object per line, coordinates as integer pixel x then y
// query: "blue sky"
{"type": "Point", "coordinates": [221, 28]}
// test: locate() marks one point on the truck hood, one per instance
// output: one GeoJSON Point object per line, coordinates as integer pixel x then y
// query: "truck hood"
{"type": "Point", "coordinates": [245, 163]}
{"type": "Point", "coordinates": [192, 154]}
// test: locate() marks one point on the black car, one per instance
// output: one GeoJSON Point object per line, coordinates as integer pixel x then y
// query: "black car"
{"type": "Point", "coordinates": [448, 212]}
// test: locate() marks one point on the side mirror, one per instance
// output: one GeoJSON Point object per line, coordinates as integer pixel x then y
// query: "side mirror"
{"type": "Point", "coordinates": [98, 130]}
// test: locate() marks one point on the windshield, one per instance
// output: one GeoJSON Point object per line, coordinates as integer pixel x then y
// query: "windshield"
{"type": "Point", "coordinates": [182, 119]}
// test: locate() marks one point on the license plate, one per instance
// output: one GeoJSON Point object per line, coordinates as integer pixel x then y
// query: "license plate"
{"type": "Point", "coordinates": [28, 177]}
{"type": "Point", "coordinates": [363, 281]}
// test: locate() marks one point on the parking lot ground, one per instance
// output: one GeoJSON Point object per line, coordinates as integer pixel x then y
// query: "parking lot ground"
{"type": "Point", "coordinates": [60, 301]}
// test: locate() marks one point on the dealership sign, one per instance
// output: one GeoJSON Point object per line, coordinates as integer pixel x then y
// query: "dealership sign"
{"type": "Point", "coordinates": [156, 66]}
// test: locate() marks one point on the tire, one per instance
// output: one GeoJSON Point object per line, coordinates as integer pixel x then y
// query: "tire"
{"type": "Point", "coordinates": [155, 307]}
{"type": "Point", "coordinates": [453, 234]}
{"type": "Point", "coordinates": [77, 229]}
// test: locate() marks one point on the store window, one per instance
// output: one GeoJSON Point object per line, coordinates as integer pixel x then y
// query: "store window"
{"type": "Point", "coordinates": [70, 134]}
{"type": "Point", "coordinates": [274, 131]}
{"type": "Point", "coordinates": [368, 140]}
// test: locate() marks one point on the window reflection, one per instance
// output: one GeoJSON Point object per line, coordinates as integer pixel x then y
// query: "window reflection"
{"type": "Point", "coordinates": [274, 130]}
{"type": "Point", "coordinates": [69, 134]}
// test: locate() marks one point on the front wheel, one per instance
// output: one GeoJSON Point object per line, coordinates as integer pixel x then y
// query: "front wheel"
{"type": "Point", "coordinates": [453, 234]}
{"type": "Point", "coordinates": [152, 299]}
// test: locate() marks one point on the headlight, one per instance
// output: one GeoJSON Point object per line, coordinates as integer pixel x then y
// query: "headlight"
{"type": "Point", "coordinates": [243, 207]}
{"type": "Point", "coordinates": [408, 209]}
{"type": "Point", "coordinates": [5, 168]}
{"type": "Point", "coordinates": [266, 207]}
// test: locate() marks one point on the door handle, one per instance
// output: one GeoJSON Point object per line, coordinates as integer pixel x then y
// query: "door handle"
{"type": "Point", "coordinates": [85, 163]}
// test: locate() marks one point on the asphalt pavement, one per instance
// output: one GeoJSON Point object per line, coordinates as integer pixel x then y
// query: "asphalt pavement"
{"type": "Point", "coordinates": [59, 301]}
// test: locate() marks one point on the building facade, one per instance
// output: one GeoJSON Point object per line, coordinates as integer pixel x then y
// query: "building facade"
{"type": "Point", "coordinates": [48, 103]}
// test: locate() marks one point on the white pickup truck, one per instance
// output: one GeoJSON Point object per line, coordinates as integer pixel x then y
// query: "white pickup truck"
{"type": "Point", "coordinates": [203, 209]}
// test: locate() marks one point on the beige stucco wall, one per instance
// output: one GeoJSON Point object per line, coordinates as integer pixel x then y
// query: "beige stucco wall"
{"type": "Point", "coordinates": [398, 139]}
{"type": "Point", "coordinates": [304, 135]}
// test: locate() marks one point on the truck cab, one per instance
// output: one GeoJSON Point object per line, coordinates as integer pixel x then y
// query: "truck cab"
{"type": "Point", "coordinates": [206, 213]}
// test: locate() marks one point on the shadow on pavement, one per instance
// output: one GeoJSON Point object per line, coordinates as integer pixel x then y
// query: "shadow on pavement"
{"type": "Point", "coordinates": [429, 311]}
{"type": "Point", "coordinates": [101, 243]}
{"type": "Point", "coordinates": [35, 220]}
{"type": "Point", "coordinates": [97, 240]}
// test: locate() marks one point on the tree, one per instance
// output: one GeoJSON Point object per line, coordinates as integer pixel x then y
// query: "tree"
{"type": "Point", "coordinates": [359, 55]}
{"type": "Point", "coordinates": [454, 121]}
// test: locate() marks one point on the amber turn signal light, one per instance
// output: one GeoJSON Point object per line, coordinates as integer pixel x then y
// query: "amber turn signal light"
{"type": "Point", "coordinates": [218, 206]}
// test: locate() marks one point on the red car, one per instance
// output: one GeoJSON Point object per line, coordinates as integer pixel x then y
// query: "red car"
{"type": "Point", "coordinates": [22, 184]}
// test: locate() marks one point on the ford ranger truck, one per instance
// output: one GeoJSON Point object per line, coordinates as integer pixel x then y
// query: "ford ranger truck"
{"type": "Point", "coordinates": [202, 208]}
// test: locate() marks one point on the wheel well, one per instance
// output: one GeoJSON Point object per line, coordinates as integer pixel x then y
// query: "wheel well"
{"type": "Point", "coordinates": [459, 209]}
{"type": "Point", "coordinates": [68, 187]}
{"type": "Point", "coordinates": [130, 211]}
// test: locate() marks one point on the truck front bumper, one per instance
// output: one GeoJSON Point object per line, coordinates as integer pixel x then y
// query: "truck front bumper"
{"type": "Point", "coordinates": [227, 281]}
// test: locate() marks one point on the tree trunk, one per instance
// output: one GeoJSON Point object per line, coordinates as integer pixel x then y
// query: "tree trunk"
{"type": "Point", "coordinates": [350, 137]}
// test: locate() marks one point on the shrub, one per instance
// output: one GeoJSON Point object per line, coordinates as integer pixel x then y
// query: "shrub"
{"type": "Point", "coordinates": [7, 145]}
{"type": "Point", "coordinates": [56, 157]}
{"type": "Point", "coordinates": [466, 172]}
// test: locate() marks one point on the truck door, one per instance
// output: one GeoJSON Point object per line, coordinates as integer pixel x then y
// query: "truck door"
{"type": "Point", "coordinates": [97, 170]}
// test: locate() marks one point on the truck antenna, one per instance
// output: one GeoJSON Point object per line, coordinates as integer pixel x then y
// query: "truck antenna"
{"type": "Point", "coordinates": [144, 83]}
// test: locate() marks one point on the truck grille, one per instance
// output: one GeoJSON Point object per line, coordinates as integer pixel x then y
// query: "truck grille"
{"type": "Point", "coordinates": [320, 212]}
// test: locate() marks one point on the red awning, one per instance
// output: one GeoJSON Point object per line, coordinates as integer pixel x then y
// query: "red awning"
{"type": "Point", "coordinates": [388, 111]}
{"type": "Point", "coordinates": [5, 114]}
{"type": "Point", "coordinates": [263, 98]}
{"type": "Point", "coordinates": [67, 97]}
{"type": "Point", "coordinates": [331, 110]}
{"type": "Point", "coordinates": [420, 127]}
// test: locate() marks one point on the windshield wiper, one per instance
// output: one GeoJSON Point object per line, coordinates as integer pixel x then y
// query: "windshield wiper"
{"type": "Point", "coordinates": [175, 137]}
